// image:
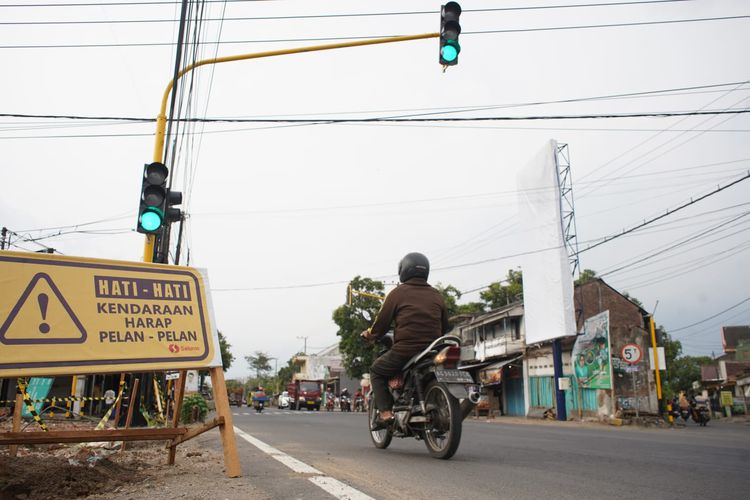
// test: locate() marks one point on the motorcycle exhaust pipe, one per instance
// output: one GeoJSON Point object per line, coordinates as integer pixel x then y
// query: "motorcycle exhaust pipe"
{"type": "Point", "coordinates": [468, 404]}
{"type": "Point", "coordinates": [474, 397]}
{"type": "Point", "coordinates": [466, 408]}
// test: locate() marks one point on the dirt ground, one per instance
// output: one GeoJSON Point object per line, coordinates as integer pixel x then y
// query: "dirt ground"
{"type": "Point", "coordinates": [98, 471]}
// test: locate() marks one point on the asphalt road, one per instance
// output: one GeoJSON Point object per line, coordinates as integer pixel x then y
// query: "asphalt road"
{"type": "Point", "coordinates": [510, 458]}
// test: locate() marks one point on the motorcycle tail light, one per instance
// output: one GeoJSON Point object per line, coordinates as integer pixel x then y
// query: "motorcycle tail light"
{"type": "Point", "coordinates": [448, 357]}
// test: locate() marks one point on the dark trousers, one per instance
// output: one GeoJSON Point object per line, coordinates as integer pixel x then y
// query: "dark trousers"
{"type": "Point", "coordinates": [385, 367]}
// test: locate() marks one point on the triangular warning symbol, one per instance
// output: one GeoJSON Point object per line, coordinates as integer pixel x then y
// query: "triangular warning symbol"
{"type": "Point", "coordinates": [42, 316]}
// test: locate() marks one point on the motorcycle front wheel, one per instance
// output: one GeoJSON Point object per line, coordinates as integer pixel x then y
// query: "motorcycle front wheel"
{"type": "Point", "coordinates": [443, 434]}
{"type": "Point", "coordinates": [382, 437]}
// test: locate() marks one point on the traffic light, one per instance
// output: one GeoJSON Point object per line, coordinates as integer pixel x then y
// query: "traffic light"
{"type": "Point", "coordinates": [172, 214]}
{"type": "Point", "coordinates": [449, 31]}
{"type": "Point", "coordinates": [151, 213]}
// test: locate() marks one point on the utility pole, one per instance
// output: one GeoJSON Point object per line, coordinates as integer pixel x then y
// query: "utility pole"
{"type": "Point", "coordinates": [2, 237]}
{"type": "Point", "coordinates": [305, 351]}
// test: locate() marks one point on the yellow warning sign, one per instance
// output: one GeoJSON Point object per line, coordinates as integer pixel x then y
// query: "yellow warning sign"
{"type": "Point", "coordinates": [68, 315]}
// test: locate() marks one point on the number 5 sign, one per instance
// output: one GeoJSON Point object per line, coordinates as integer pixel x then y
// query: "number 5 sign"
{"type": "Point", "coordinates": [631, 354]}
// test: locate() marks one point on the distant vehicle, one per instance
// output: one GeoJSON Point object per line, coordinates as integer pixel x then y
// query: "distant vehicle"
{"type": "Point", "coordinates": [305, 394]}
{"type": "Point", "coordinates": [283, 401]}
{"type": "Point", "coordinates": [236, 396]}
{"type": "Point", "coordinates": [259, 400]}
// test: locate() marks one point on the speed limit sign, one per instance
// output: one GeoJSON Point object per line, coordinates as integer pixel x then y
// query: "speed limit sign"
{"type": "Point", "coordinates": [631, 354]}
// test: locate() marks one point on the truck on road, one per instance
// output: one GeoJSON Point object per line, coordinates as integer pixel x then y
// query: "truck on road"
{"type": "Point", "coordinates": [305, 394]}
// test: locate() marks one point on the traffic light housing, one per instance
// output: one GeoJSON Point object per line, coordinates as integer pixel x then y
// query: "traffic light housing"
{"type": "Point", "coordinates": [153, 198]}
{"type": "Point", "coordinates": [449, 31]}
{"type": "Point", "coordinates": [157, 202]}
{"type": "Point", "coordinates": [172, 214]}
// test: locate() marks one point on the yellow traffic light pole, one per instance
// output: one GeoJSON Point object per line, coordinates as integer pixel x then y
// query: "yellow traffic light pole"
{"type": "Point", "coordinates": [231, 456]}
{"type": "Point", "coordinates": [161, 119]}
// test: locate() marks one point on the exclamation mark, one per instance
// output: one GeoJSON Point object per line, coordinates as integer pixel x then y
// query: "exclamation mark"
{"type": "Point", "coordinates": [43, 301]}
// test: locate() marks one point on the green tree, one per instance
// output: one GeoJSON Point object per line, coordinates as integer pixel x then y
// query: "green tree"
{"type": "Point", "coordinates": [260, 362]}
{"type": "Point", "coordinates": [682, 371]}
{"type": "Point", "coordinates": [500, 295]}
{"type": "Point", "coordinates": [286, 373]}
{"type": "Point", "coordinates": [226, 356]}
{"type": "Point", "coordinates": [585, 276]}
{"type": "Point", "coordinates": [226, 359]}
{"type": "Point", "coordinates": [352, 319]}
{"type": "Point", "coordinates": [451, 296]}
{"type": "Point", "coordinates": [633, 299]}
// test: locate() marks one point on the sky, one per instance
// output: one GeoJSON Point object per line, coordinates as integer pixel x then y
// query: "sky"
{"type": "Point", "coordinates": [283, 215]}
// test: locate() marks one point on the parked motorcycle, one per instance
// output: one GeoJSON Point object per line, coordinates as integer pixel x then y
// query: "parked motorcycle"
{"type": "Point", "coordinates": [431, 399]}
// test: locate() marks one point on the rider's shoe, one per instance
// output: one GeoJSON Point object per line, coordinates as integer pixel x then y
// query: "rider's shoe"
{"type": "Point", "coordinates": [382, 423]}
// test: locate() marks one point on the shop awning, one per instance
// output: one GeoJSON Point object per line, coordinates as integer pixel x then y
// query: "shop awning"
{"type": "Point", "coordinates": [493, 373]}
{"type": "Point", "coordinates": [473, 366]}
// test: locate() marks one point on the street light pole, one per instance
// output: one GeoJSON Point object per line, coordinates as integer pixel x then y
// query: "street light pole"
{"type": "Point", "coordinates": [275, 374]}
{"type": "Point", "coordinates": [305, 349]}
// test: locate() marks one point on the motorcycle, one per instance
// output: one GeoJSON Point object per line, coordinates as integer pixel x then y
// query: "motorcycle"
{"type": "Point", "coordinates": [431, 399]}
{"type": "Point", "coordinates": [329, 403]}
{"type": "Point", "coordinates": [345, 404]}
{"type": "Point", "coordinates": [259, 402]}
{"type": "Point", "coordinates": [700, 414]}
{"type": "Point", "coordinates": [359, 403]}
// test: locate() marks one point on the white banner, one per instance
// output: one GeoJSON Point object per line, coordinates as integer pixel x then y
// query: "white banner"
{"type": "Point", "coordinates": [549, 312]}
{"type": "Point", "coordinates": [662, 358]}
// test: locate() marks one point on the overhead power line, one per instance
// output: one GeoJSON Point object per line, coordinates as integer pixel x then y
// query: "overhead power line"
{"type": "Point", "coordinates": [655, 114]}
{"type": "Point", "coordinates": [668, 212]}
{"type": "Point", "coordinates": [308, 16]}
{"type": "Point", "coordinates": [342, 38]}
{"type": "Point", "coordinates": [317, 16]}
{"type": "Point", "coordinates": [709, 318]}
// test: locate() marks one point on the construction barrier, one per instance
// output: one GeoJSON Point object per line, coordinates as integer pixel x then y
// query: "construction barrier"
{"type": "Point", "coordinates": [21, 388]}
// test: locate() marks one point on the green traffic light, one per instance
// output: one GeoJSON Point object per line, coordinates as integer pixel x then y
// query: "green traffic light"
{"type": "Point", "coordinates": [151, 220]}
{"type": "Point", "coordinates": [450, 51]}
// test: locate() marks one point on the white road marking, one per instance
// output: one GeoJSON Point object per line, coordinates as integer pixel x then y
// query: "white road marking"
{"type": "Point", "coordinates": [332, 486]}
{"type": "Point", "coordinates": [339, 489]}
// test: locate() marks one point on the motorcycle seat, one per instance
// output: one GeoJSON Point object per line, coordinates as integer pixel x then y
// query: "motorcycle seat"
{"type": "Point", "coordinates": [444, 340]}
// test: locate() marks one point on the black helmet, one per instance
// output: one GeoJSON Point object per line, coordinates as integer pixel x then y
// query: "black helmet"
{"type": "Point", "coordinates": [413, 265]}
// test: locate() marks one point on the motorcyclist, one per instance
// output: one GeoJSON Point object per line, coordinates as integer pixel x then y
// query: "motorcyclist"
{"type": "Point", "coordinates": [419, 315]}
{"type": "Point", "coordinates": [358, 400]}
{"type": "Point", "coordinates": [344, 400]}
{"type": "Point", "coordinates": [260, 395]}
{"type": "Point", "coordinates": [330, 399]}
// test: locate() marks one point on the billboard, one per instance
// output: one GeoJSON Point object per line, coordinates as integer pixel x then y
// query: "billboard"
{"type": "Point", "coordinates": [68, 315]}
{"type": "Point", "coordinates": [591, 358]}
{"type": "Point", "coordinates": [549, 312]}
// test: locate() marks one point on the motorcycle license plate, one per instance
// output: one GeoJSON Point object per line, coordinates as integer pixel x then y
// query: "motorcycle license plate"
{"type": "Point", "coordinates": [453, 376]}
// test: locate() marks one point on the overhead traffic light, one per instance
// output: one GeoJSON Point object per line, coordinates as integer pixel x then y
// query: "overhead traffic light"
{"type": "Point", "coordinates": [449, 31]}
{"type": "Point", "coordinates": [153, 198]}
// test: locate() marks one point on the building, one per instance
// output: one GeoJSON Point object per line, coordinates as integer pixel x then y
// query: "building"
{"type": "Point", "coordinates": [518, 379]}
{"type": "Point", "coordinates": [326, 366]}
{"type": "Point", "coordinates": [730, 371]}
{"type": "Point", "coordinates": [492, 348]}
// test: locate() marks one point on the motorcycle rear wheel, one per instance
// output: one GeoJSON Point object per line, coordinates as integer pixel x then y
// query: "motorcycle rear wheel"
{"type": "Point", "coordinates": [382, 437]}
{"type": "Point", "coordinates": [444, 433]}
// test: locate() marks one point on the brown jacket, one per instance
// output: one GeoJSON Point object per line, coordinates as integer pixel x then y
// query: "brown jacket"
{"type": "Point", "coordinates": [418, 313]}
